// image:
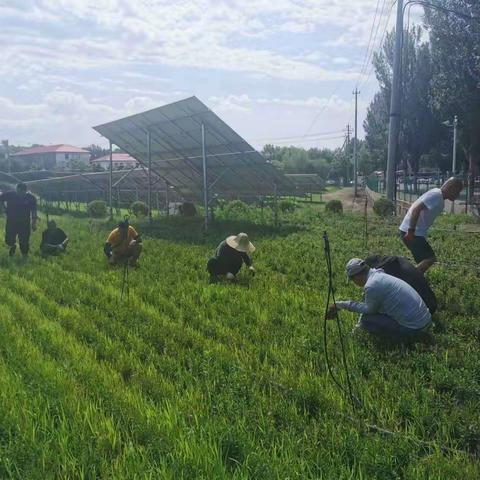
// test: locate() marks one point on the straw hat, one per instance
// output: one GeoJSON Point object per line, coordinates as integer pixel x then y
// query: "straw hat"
{"type": "Point", "coordinates": [240, 243]}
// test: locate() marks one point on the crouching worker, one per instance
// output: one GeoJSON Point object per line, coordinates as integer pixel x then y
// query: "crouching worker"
{"type": "Point", "coordinates": [391, 306]}
{"type": "Point", "coordinates": [230, 256]}
{"type": "Point", "coordinates": [123, 245]}
{"type": "Point", "coordinates": [54, 240]}
{"type": "Point", "coordinates": [401, 268]}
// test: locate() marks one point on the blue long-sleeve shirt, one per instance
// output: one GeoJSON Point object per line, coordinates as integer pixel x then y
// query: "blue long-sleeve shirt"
{"type": "Point", "coordinates": [393, 297]}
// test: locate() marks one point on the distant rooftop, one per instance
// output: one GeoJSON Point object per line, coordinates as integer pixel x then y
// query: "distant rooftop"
{"type": "Point", "coordinates": [62, 148]}
{"type": "Point", "coordinates": [116, 157]}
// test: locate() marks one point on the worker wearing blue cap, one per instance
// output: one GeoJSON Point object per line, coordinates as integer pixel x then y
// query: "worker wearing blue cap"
{"type": "Point", "coordinates": [390, 307]}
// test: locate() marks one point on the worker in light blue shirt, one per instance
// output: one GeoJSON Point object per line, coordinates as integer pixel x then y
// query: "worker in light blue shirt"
{"type": "Point", "coordinates": [391, 306]}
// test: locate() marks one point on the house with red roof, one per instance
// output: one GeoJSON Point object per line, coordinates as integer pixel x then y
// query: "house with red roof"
{"type": "Point", "coordinates": [120, 161]}
{"type": "Point", "coordinates": [52, 157]}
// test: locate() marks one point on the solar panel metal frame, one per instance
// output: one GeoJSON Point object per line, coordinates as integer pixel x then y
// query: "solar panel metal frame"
{"type": "Point", "coordinates": [234, 167]}
{"type": "Point", "coordinates": [78, 186]}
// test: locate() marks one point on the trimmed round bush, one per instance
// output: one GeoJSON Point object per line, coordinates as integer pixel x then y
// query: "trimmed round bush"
{"type": "Point", "coordinates": [287, 206]}
{"type": "Point", "coordinates": [334, 206]}
{"type": "Point", "coordinates": [97, 209]}
{"type": "Point", "coordinates": [236, 208]}
{"type": "Point", "coordinates": [187, 209]}
{"type": "Point", "coordinates": [383, 207]}
{"type": "Point", "coordinates": [139, 209]}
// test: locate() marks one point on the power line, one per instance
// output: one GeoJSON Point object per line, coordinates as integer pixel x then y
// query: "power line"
{"type": "Point", "coordinates": [370, 56]}
{"type": "Point", "coordinates": [369, 42]}
{"type": "Point", "coordinates": [292, 137]}
{"type": "Point", "coordinates": [379, 47]}
{"type": "Point", "coordinates": [308, 140]}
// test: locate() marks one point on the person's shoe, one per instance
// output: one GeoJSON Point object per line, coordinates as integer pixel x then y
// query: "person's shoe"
{"type": "Point", "coordinates": [12, 250]}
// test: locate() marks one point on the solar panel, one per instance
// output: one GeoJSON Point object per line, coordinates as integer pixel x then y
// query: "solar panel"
{"type": "Point", "coordinates": [234, 167]}
{"type": "Point", "coordinates": [128, 186]}
{"type": "Point", "coordinates": [307, 182]}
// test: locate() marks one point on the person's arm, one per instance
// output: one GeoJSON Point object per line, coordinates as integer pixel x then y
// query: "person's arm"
{"type": "Point", "coordinates": [246, 258]}
{"type": "Point", "coordinates": [107, 249]}
{"type": "Point", "coordinates": [33, 210]}
{"type": "Point", "coordinates": [369, 305]}
{"type": "Point", "coordinates": [248, 262]}
{"type": "Point", "coordinates": [416, 211]}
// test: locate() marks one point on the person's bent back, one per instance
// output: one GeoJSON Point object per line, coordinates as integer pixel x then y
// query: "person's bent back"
{"type": "Point", "coordinates": [54, 240]}
{"type": "Point", "coordinates": [401, 268]}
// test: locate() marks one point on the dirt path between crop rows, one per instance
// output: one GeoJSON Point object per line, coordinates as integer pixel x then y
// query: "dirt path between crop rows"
{"type": "Point", "coordinates": [350, 204]}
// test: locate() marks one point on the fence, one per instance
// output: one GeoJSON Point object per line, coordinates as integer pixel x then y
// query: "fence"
{"type": "Point", "coordinates": [408, 189]}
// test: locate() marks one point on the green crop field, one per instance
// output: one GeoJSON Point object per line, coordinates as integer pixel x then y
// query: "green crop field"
{"type": "Point", "coordinates": [187, 380]}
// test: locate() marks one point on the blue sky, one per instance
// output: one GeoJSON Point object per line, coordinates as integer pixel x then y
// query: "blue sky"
{"type": "Point", "coordinates": [270, 69]}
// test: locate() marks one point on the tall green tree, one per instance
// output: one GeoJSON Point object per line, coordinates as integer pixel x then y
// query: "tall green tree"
{"type": "Point", "coordinates": [420, 127]}
{"type": "Point", "coordinates": [455, 46]}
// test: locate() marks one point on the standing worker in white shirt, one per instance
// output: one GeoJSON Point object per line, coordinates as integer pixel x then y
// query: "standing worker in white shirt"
{"type": "Point", "coordinates": [390, 307]}
{"type": "Point", "coordinates": [420, 217]}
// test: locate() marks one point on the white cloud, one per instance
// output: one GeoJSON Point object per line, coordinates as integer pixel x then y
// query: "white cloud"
{"type": "Point", "coordinates": [184, 34]}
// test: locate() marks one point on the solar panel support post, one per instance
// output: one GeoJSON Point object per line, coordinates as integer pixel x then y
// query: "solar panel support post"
{"type": "Point", "coordinates": [167, 203]}
{"type": "Point", "coordinates": [205, 181]}
{"type": "Point", "coordinates": [275, 204]}
{"type": "Point", "coordinates": [111, 181]}
{"type": "Point", "coordinates": [149, 156]}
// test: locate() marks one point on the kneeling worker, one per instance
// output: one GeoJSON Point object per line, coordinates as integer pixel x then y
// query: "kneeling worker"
{"type": "Point", "coordinates": [229, 257]}
{"type": "Point", "coordinates": [401, 268]}
{"type": "Point", "coordinates": [123, 245]}
{"type": "Point", "coordinates": [391, 306]}
{"type": "Point", "coordinates": [54, 240]}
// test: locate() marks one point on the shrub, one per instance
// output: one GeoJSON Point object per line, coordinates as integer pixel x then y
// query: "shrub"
{"type": "Point", "coordinates": [97, 209]}
{"type": "Point", "coordinates": [287, 206]}
{"type": "Point", "coordinates": [236, 208]}
{"type": "Point", "coordinates": [139, 209]}
{"type": "Point", "coordinates": [383, 207]}
{"type": "Point", "coordinates": [187, 209]}
{"type": "Point", "coordinates": [334, 206]}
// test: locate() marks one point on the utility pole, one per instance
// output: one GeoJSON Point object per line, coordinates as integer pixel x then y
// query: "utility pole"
{"type": "Point", "coordinates": [7, 155]}
{"type": "Point", "coordinates": [347, 152]}
{"type": "Point", "coordinates": [355, 160]}
{"type": "Point", "coordinates": [454, 155]}
{"type": "Point", "coordinates": [395, 104]}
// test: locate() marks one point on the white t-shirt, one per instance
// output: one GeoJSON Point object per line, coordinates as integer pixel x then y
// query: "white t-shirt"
{"type": "Point", "coordinates": [434, 203]}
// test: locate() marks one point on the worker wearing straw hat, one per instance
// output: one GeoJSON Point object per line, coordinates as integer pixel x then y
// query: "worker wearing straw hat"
{"type": "Point", "coordinates": [229, 257]}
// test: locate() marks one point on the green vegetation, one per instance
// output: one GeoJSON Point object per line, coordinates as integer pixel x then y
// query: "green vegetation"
{"type": "Point", "coordinates": [97, 209]}
{"type": "Point", "coordinates": [190, 380]}
{"type": "Point", "coordinates": [383, 207]}
{"type": "Point", "coordinates": [334, 206]}
{"type": "Point", "coordinates": [139, 209]}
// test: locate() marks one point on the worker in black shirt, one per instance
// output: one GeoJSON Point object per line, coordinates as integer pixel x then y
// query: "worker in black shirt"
{"type": "Point", "coordinates": [21, 206]}
{"type": "Point", "coordinates": [230, 256]}
{"type": "Point", "coordinates": [54, 240]}
{"type": "Point", "coordinates": [401, 268]}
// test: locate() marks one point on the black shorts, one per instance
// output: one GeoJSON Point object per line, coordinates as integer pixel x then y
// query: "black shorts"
{"type": "Point", "coordinates": [420, 248]}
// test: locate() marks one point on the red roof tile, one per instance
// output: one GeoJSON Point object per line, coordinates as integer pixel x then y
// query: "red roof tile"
{"type": "Point", "coordinates": [116, 157]}
{"type": "Point", "coordinates": [62, 148]}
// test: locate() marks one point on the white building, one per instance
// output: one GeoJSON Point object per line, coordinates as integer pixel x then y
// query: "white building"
{"type": "Point", "coordinates": [121, 161]}
{"type": "Point", "coordinates": [52, 157]}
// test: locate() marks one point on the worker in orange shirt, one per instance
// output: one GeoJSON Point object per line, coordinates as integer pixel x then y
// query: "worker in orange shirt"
{"type": "Point", "coordinates": [123, 245]}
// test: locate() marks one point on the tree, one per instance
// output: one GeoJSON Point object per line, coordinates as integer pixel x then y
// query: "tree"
{"type": "Point", "coordinates": [96, 151]}
{"type": "Point", "coordinates": [420, 128]}
{"type": "Point", "coordinates": [455, 41]}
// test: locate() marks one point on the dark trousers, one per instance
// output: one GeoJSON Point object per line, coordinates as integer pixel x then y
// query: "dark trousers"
{"type": "Point", "coordinates": [217, 267]}
{"type": "Point", "coordinates": [378, 323]}
{"type": "Point", "coordinates": [22, 230]}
